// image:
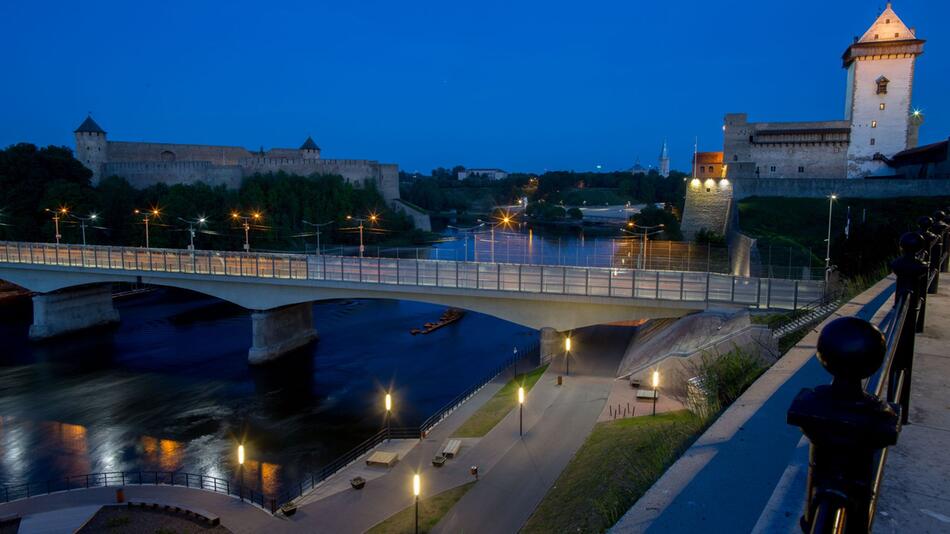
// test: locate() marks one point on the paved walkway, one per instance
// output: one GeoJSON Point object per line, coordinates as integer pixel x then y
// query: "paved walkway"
{"type": "Point", "coordinates": [726, 480]}
{"type": "Point", "coordinates": [915, 495]}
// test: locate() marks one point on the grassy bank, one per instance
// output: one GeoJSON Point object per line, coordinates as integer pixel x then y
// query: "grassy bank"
{"type": "Point", "coordinates": [492, 412]}
{"type": "Point", "coordinates": [431, 511]}
{"type": "Point", "coordinates": [619, 461]}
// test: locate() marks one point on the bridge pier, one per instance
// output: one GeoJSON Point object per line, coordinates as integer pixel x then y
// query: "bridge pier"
{"type": "Point", "coordinates": [552, 344]}
{"type": "Point", "coordinates": [280, 330]}
{"type": "Point", "coordinates": [70, 310]}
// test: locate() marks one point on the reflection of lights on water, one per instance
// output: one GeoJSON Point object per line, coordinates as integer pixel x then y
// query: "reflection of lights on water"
{"type": "Point", "coordinates": [13, 442]}
{"type": "Point", "coordinates": [165, 454]}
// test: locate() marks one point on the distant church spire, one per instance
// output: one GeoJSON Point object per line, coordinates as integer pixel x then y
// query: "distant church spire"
{"type": "Point", "coordinates": [664, 161]}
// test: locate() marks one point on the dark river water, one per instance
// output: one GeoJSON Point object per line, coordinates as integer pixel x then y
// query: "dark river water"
{"type": "Point", "coordinates": [170, 388]}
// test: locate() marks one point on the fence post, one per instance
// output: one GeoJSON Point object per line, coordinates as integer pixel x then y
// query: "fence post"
{"type": "Point", "coordinates": [682, 281]}
{"type": "Point", "coordinates": [795, 297]}
{"type": "Point", "coordinates": [846, 427]}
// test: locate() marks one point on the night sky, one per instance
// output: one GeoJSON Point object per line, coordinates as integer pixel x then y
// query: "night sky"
{"type": "Point", "coordinates": [525, 86]}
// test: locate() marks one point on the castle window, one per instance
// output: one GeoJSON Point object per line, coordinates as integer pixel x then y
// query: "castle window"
{"type": "Point", "coordinates": [702, 170]}
{"type": "Point", "coordinates": [896, 35]}
{"type": "Point", "coordinates": [801, 169]}
{"type": "Point", "coordinates": [882, 85]}
{"type": "Point", "coordinates": [887, 21]}
{"type": "Point", "coordinates": [772, 168]}
{"type": "Point", "coordinates": [873, 124]}
{"type": "Point", "coordinates": [735, 157]}
{"type": "Point", "coordinates": [710, 168]}
{"type": "Point", "coordinates": [168, 155]}
{"type": "Point", "coordinates": [876, 36]}
{"type": "Point", "coordinates": [872, 141]}
{"type": "Point", "coordinates": [883, 106]}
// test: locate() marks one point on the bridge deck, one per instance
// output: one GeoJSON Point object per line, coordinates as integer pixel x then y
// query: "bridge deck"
{"type": "Point", "coordinates": [682, 286]}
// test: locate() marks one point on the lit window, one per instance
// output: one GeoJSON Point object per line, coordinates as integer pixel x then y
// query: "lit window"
{"type": "Point", "coordinates": [882, 85]}
{"type": "Point", "coordinates": [872, 141]}
{"type": "Point", "coordinates": [873, 124]}
{"type": "Point", "coordinates": [883, 106]}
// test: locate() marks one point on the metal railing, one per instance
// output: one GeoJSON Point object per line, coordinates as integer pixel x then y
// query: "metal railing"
{"type": "Point", "coordinates": [660, 285]}
{"type": "Point", "coordinates": [852, 422]}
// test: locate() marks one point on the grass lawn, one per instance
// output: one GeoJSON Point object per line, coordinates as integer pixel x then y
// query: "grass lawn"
{"type": "Point", "coordinates": [616, 465]}
{"type": "Point", "coordinates": [497, 407]}
{"type": "Point", "coordinates": [431, 511]}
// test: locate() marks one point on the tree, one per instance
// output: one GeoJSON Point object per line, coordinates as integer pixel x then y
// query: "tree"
{"type": "Point", "coordinates": [575, 213]}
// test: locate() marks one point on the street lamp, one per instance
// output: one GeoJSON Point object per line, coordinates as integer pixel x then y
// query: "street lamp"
{"type": "Point", "coordinates": [372, 218]}
{"type": "Point", "coordinates": [521, 411]}
{"type": "Point", "coordinates": [389, 409]}
{"type": "Point", "coordinates": [647, 232]}
{"type": "Point", "coordinates": [57, 215]}
{"type": "Point", "coordinates": [465, 232]}
{"type": "Point", "coordinates": [246, 223]}
{"type": "Point", "coordinates": [656, 384]}
{"type": "Point", "coordinates": [318, 226]}
{"type": "Point", "coordinates": [191, 229]}
{"type": "Point", "coordinates": [146, 215]}
{"type": "Point", "coordinates": [416, 487]}
{"type": "Point", "coordinates": [831, 200]}
{"type": "Point", "coordinates": [567, 356]}
{"type": "Point", "coordinates": [241, 464]}
{"type": "Point", "coordinates": [82, 223]}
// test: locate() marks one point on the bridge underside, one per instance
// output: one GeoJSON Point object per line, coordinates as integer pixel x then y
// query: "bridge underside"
{"type": "Point", "coordinates": [280, 326]}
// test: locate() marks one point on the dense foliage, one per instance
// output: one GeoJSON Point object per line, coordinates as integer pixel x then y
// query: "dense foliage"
{"type": "Point", "coordinates": [33, 180]}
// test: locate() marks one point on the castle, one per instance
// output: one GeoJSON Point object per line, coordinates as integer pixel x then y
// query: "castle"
{"type": "Point", "coordinates": [876, 139]}
{"type": "Point", "coordinates": [878, 121]}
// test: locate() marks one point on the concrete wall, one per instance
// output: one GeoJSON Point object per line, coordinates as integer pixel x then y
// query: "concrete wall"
{"type": "Point", "coordinates": [420, 219]}
{"type": "Point", "coordinates": [279, 331]}
{"type": "Point", "coordinates": [72, 309]}
{"type": "Point", "coordinates": [740, 253]}
{"type": "Point", "coordinates": [707, 206]}
{"type": "Point", "coordinates": [817, 188]}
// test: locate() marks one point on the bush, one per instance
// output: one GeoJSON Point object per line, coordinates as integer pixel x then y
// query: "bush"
{"type": "Point", "coordinates": [705, 235]}
{"type": "Point", "coordinates": [716, 381]}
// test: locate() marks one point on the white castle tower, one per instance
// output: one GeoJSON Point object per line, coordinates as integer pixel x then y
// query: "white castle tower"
{"type": "Point", "coordinates": [664, 167]}
{"type": "Point", "coordinates": [880, 85]}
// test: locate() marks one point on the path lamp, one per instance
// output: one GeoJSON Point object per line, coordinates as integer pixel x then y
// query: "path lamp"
{"type": "Point", "coordinates": [521, 411]}
{"type": "Point", "coordinates": [82, 223]}
{"type": "Point", "coordinates": [656, 384]}
{"type": "Point", "coordinates": [146, 216]}
{"type": "Point", "coordinates": [318, 226]}
{"type": "Point", "coordinates": [416, 486]}
{"type": "Point", "coordinates": [389, 411]}
{"type": "Point", "coordinates": [241, 464]}
{"type": "Point", "coordinates": [831, 200]}
{"type": "Point", "coordinates": [57, 215]}
{"type": "Point", "coordinates": [246, 223]}
{"type": "Point", "coordinates": [191, 229]}
{"type": "Point", "coordinates": [567, 356]}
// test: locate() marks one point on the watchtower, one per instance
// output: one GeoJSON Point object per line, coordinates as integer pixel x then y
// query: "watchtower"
{"type": "Point", "coordinates": [91, 147]}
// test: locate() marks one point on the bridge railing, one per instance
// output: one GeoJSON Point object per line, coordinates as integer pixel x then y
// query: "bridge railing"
{"type": "Point", "coordinates": [852, 422]}
{"type": "Point", "coordinates": [542, 279]}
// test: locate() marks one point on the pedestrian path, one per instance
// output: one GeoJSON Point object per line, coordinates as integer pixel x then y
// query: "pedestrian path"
{"type": "Point", "coordinates": [726, 480]}
{"type": "Point", "coordinates": [65, 521]}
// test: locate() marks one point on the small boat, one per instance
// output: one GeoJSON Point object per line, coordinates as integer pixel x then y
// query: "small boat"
{"type": "Point", "coordinates": [448, 317]}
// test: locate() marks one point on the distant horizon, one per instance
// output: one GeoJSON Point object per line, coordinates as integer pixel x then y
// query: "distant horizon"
{"type": "Point", "coordinates": [522, 88]}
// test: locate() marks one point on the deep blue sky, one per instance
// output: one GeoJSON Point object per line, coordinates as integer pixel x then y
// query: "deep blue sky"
{"type": "Point", "coordinates": [525, 86]}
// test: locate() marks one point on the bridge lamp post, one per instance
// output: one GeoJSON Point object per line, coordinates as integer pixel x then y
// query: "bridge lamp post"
{"type": "Point", "coordinates": [416, 489]}
{"type": "Point", "coordinates": [191, 229]}
{"type": "Point", "coordinates": [82, 223]}
{"type": "Point", "coordinates": [389, 411]}
{"type": "Point", "coordinates": [465, 232]}
{"type": "Point", "coordinates": [372, 218]}
{"type": "Point", "coordinates": [246, 223]}
{"type": "Point", "coordinates": [152, 213]}
{"type": "Point", "coordinates": [656, 384]}
{"type": "Point", "coordinates": [241, 468]}
{"type": "Point", "coordinates": [318, 226]}
{"type": "Point", "coordinates": [647, 232]}
{"type": "Point", "coordinates": [57, 215]}
{"type": "Point", "coordinates": [831, 200]}
{"type": "Point", "coordinates": [521, 411]}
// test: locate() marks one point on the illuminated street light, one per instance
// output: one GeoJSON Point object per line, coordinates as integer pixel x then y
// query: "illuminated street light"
{"type": "Point", "coordinates": [389, 409]}
{"type": "Point", "coordinates": [416, 487]}
{"type": "Point", "coordinates": [246, 223]}
{"type": "Point", "coordinates": [82, 223]}
{"type": "Point", "coordinates": [567, 356]}
{"type": "Point", "coordinates": [521, 411]}
{"type": "Point", "coordinates": [57, 215]}
{"type": "Point", "coordinates": [191, 229]}
{"type": "Point", "coordinates": [373, 218]}
{"type": "Point", "coordinates": [831, 200]}
{"type": "Point", "coordinates": [656, 384]}
{"type": "Point", "coordinates": [153, 213]}
{"type": "Point", "coordinates": [241, 463]}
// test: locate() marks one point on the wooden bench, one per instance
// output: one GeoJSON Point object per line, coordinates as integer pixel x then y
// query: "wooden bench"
{"type": "Point", "coordinates": [189, 511]}
{"type": "Point", "coordinates": [385, 459]}
{"type": "Point", "coordinates": [452, 448]}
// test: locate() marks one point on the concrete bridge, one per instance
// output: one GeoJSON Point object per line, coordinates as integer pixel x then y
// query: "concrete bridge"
{"type": "Point", "coordinates": [72, 286]}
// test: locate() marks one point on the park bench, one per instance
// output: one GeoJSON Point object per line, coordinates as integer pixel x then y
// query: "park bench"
{"type": "Point", "coordinates": [385, 459]}
{"type": "Point", "coordinates": [452, 448]}
{"type": "Point", "coordinates": [188, 511]}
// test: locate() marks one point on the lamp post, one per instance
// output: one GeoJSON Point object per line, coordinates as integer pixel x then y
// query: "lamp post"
{"type": "Point", "coordinates": [647, 232]}
{"type": "Point", "coordinates": [372, 218]}
{"type": "Point", "coordinates": [521, 411]}
{"type": "Point", "coordinates": [82, 223]}
{"type": "Point", "coordinates": [241, 468]}
{"type": "Point", "coordinates": [389, 410]}
{"type": "Point", "coordinates": [318, 226]}
{"type": "Point", "coordinates": [656, 384]}
{"type": "Point", "coordinates": [831, 200]}
{"type": "Point", "coordinates": [191, 229]}
{"type": "Point", "coordinates": [57, 214]}
{"type": "Point", "coordinates": [246, 223]}
{"type": "Point", "coordinates": [465, 232]}
{"type": "Point", "coordinates": [416, 487]}
{"type": "Point", "coordinates": [146, 215]}
{"type": "Point", "coordinates": [567, 356]}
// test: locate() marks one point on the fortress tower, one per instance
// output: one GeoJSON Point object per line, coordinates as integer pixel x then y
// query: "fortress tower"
{"type": "Point", "coordinates": [880, 85]}
{"type": "Point", "coordinates": [664, 162]}
{"type": "Point", "coordinates": [309, 149]}
{"type": "Point", "coordinates": [91, 147]}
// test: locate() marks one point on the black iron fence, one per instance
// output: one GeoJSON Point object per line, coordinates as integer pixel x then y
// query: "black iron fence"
{"type": "Point", "coordinates": [852, 422]}
{"type": "Point", "coordinates": [529, 354]}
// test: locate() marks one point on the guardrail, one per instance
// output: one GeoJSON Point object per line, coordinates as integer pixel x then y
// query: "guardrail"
{"type": "Point", "coordinates": [681, 286]}
{"type": "Point", "coordinates": [852, 422]}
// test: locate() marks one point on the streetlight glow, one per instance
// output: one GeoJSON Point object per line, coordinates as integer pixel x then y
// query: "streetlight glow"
{"type": "Point", "coordinates": [567, 344]}
{"type": "Point", "coordinates": [389, 402]}
{"type": "Point", "coordinates": [656, 379]}
{"type": "Point", "coordinates": [520, 395]}
{"type": "Point", "coordinates": [416, 485]}
{"type": "Point", "coordinates": [241, 454]}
